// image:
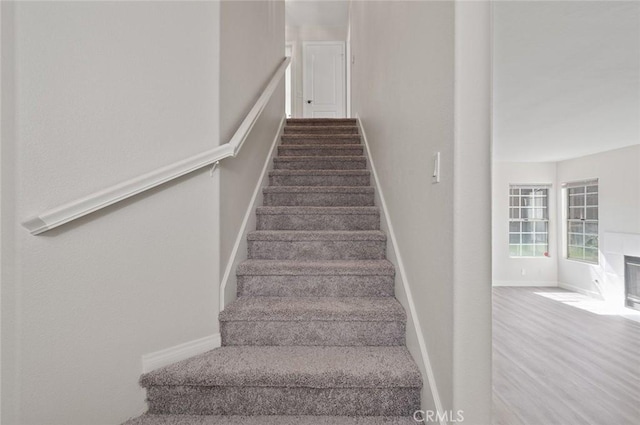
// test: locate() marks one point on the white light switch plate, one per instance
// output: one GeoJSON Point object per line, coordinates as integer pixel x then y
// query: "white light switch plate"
{"type": "Point", "coordinates": [436, 168]}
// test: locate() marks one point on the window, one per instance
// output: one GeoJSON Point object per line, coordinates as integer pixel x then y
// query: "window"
{"type": "Point", "coordinates": [582, 221]}
{"type": "Point", "coordinates": [529, 221]}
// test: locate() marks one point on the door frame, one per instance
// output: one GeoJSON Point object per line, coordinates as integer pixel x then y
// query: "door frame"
{"type": "Point", "coordinates": [292, 75]}
{"type": "Point", "coordinates": [343, 73]}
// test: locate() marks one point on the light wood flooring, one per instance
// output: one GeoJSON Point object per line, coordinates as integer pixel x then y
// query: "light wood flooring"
{"type": "Point", "coordinates": [554, 364]}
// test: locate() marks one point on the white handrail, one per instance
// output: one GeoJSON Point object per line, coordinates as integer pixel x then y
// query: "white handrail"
{"type": "Point", "coordinates": [58, 216]}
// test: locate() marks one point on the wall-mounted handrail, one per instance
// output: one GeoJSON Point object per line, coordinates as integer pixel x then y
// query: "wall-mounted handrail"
{"type": "Point", "coordinates": [73, 210]}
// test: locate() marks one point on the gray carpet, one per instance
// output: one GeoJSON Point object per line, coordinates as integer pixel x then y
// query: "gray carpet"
{"type": "Point", "coordinates": [270, 420]}
{"type": "Point", "coordinates": [315, 336]}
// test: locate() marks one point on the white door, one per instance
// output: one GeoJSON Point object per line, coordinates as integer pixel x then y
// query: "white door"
{"type": "Point", "coordinates": [323, 78]}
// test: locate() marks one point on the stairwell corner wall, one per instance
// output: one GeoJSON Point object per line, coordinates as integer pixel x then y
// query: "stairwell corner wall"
{"type": "Point", "coordinates": [402, 92]}
{"type": "Point", "coordinates": [415, 99]}
{"type": "Point", "coordinates": [86, 300]}
{"type": "Point", "coordinates": [415, 337]}
{"type": "Point", "coordinates": [251, 48]}
{"type": "Point", "coordinates": [239, 252]}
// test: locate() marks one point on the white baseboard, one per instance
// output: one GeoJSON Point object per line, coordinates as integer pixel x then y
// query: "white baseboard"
{"type": "Point", "coordinates": [393, 255]}
{"type": "Point", "coordinates": [524, 283]}
{"type": "Point", "coordinates": [238, 255]}
{"type": "Point", "coordinates": [179, 352]}
{"type": "Point", "coordinates": [570, 287]}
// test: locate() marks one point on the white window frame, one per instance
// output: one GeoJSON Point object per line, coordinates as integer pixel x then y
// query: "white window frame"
{"type": "Point", "coordinates": [534, 232]}
{"type": "Point", "coordinates": [585, 221]}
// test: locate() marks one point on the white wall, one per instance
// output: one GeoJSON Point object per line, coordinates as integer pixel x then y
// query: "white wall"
{"type": "Point", "coordinates": [403, 82]}
{"type": "Point", "coordinates": [7, 216]}
{"type": "Point", "coordinates": [104, 92]}
{"type": "Point", "coordinates": [406, 124]}
{"type": "Point", "coordinates": [472, 226]}
{"type": "Point", "coordinates": [251, 49]}
{"type": "Point", "coordinates": [296, 35]}
{"type": "Point", "coordinates": [618, 172]}
{"type": "Point", "coordinates": [508, 271]}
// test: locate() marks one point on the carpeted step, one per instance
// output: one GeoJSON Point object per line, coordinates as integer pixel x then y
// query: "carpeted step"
{"type": "Point", "coordinates": [320, 129]}
{"type": "Point", "coordinates": [318, 196]}
{"type": "Point", "coordinates": [321, 121]}
{"type": "Point", "coordinates": [320, 139]}
{"type": "Point", "coordinates": [318, 218]}
{"type": "Point", "coordinates": [320, 163]}
{"type": "Point", "coordinates": [320, 150]}
{"type": "Point", "coordinates": [310, 321]}
{"type": "Point", "coordinates": [374, 278]}
{"type": "Point", "coordinates": [341, 381]}
{"type": "Point", "coordinates": [315, 330]}
{"type": "Point", "coordinates": [316, 245]}
{"type": "Point", "coordinates": [320, 178]}
{"type": "Point", "coordinates": [149, 419]}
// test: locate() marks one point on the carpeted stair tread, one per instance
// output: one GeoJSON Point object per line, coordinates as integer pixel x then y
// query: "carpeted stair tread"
{"type": "Point", "coordinates": [318, 189]}
{"type": "Point", "coordinates": [321, 121]}
{"type": "Point", "coordinates": [320, 162]}
{"type": "Point", "coordinates": [318, 196]}
{"type": "Point", "coordinates": [298, 367]}
{"type": "Point", "coordinates": [320, 150]}
{"type": "Point", "coordinates": [315, 139]}
{"type": "Point", "coordinates": [317, 147]}
{"type": "Point", "coordinates": [348, 309]}
{"type": "Point", "coordinates": [317, 218]}
{"type": "Point", "coordinates": [286, 210]}
{"type": "Point", "coordinates": [149, 419]}
{"type": "Point", "coordinates": [312, 177]}
{"type": "Point", "coordinates": [310, 245]}
{"type": "Point", "coordinates": [319, 129]}
{"type": "Point", "coordinates": [312, 140]}
{"type": "Point", "coordinates": [319, 173]}
{"type": "Point", "coordinates": [331, 268]}
{"type": "Point", "coordinates": [316, 235]}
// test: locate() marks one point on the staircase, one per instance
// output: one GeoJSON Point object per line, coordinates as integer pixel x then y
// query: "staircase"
{"type": "Point", "coordinates": [315, 336]}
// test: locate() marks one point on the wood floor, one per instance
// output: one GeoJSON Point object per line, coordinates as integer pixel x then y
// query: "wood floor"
{"type": "Point", "coordinates": [554, 364]}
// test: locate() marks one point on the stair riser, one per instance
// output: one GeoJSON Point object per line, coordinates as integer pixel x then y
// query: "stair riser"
{"type": "Point", "coordinates": [250, 401]}
{"type": "Point", "coordinates": [323, 123]}
{"type": "Point", "coordinates": [316, 286]}
{"type": "Point", "coordinates": [319, 164]}
{"type": "Point", "coordinates": [298, 139]}
{"type": "Point", "coordinates": [313, 333]}
{"type": "Point", "coordinates": [320, 129]}
{"type": "Point", "coordinates": [311, 180]}
{"type": "Point", "coordinates": [311, 199]}
{"type": "Point", "coordinates": [318, 222]}
{"type": "Point", "coordinates": [289, 139]}
{"type": "Point", "coordinates": [318, 151]}
{"type": "Point", "coordinates": [317, 250]}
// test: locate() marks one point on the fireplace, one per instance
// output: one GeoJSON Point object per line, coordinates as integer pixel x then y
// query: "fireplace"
{"type": "Point", "coordinates": [632, 281]}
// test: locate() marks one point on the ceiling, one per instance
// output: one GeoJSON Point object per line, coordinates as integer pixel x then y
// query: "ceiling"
{"type": "Point", "coordinates": [566, 79]}
{"type": "Point", "coordinates": [328, 13]}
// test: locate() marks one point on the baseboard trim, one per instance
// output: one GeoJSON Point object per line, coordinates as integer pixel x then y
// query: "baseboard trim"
{"type": "Point", "coordinates": [570, 287]}
{"type": "Point", "coordinates": [540, 283]}
{"type": "Point", "coordinates": [234, 258]}
{"type": "Point", "coordinates": [396, 259]}
{"type": "Point", "coordinates": [179, 352]}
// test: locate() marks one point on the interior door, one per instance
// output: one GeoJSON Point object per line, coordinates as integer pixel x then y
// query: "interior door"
{"type": "Point", "coordinates": [323, 78]}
